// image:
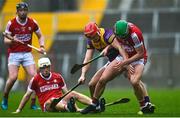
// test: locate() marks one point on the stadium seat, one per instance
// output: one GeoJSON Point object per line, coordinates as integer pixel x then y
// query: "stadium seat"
{"type": "Point", "coordinates": [168, 22]}
{"type": "Point", "coordinates": [142, 20]}
{"type": "Point", "coordinates": [151, 4]}
{"type": "Point", "coordinates": [161, 43]}
{"type": "Point", "coordinates": [109, 20]}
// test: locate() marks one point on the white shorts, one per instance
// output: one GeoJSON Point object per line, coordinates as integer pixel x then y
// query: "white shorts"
{"type": "Point", "coordinates": [45, 104]}
{"type": "Point", "coordinates": [118, 58]}
{"type": "Point", "coordinates": [24, 58]}
{"type": "Point", "coordinates": [141, 61]}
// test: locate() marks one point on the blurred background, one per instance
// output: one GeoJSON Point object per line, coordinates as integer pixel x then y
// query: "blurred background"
{"type": "Point", "coordinates": [62, 23]}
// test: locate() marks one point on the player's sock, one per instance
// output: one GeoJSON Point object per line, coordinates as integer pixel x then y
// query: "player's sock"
{"type": "Point", "coordinates": [142, 103]}
{"type": "Point", "coordinates": [33, 104]}
{"type": "Point", "coordinates": [95, 101]}
{"type": "Point", "coordinates": [33, 101]}
{"type": "Point", "coordinates": [146, 99]}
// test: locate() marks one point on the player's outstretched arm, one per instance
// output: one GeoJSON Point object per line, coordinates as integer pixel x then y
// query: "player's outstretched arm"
{"type": "Point", "coordinates": [88, 56]}
{"type": "Point", "coordinates": [23, 101]}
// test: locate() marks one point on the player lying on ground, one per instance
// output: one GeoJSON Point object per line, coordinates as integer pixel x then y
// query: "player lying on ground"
{"type": "Point", "coordinates": [50, 85]}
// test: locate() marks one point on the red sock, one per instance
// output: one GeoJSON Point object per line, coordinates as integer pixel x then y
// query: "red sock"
{"type": "Point", "coordinates": [95, 100]}
{"type": "Point", "coordinates": [142, 103]}
{"type": "Point", "coordinates": [33, 101]}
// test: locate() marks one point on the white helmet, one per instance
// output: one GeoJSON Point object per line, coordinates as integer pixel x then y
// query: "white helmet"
{"type": "Point", "coordinates": [44, 61]}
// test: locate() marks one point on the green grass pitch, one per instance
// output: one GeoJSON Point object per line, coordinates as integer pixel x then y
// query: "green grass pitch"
{"type": "Point", "coordinates": [167, 103]}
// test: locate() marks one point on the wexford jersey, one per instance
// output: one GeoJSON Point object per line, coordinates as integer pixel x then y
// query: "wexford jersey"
{"type": "Point", "coordinates": [106, 37]}
{"type": "Point", "coordinates": [47, 88]}
{"type": "Point", "coordinates": [134, 41]}
{"type": "Point", "coordinates": [23, 32]}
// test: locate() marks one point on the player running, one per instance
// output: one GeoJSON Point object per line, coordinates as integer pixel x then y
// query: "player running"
{"type": "Point", "coordinates": [100, 39]}
{"type": "Point", "coordinates": [49, 85]}
{"type": "Point", "coordinates": [131, 39]}
{"type": "Point", "coordinates": [21, 28]}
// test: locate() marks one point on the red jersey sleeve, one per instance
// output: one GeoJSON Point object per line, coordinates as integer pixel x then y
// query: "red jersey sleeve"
{"type": "Point", "coordinates": [8, 28]}
{"type": "Point", "coordinates": [36, 26]}
{"type": "Point", "coordinates": [62, 82]}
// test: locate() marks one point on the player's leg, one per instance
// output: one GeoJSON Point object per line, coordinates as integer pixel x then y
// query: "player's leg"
{"type": "Point", "coordinates": [94, 80]}
{"type": "Point", "coordinates": [148, 106]}
{"type": "Point", "coordinates": [59, 107]}
{"type": "Point", "coordinates": [135, 82]}
{"type": "Point", "coordinates": [14, 60]}
{"type": "Point", "coordinates": [70, 100]}
{"type": "Point", "coordinates": [62, 106]}
{"type": "Point", "coordinates": [145, 93]}
{"type": "Point", "coordinates": [80, 97]}
{"type": "Point", "coordinates": [69, 103]}
{"type": "Point", "coordinates": [13, 70]}
{"type": "Point", "coordinates": [139, 89]}
{"type": "Point", "coordinates": [109, 73]}
{"type": "Point", "coordinates": [29, 65]}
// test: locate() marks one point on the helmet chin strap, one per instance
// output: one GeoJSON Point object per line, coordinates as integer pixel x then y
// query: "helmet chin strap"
{"type": "Point", "coordinates": [45, 77]}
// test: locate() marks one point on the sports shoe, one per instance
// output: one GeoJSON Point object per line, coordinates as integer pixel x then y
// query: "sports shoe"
{"type": "Point", "coordinates": [71, 105]}
{"type": "Point", "coordinates": [140, 113]}
{"type": "Point", "coordinates": [90, 108]}
{"type": "Point", "coordinates": [148, 108]}
{"type": "Point", "coordinates": [102, 103]}
{"type": "Point", "coordinates": [35, 107]}
{"type": "Point", "coordinates": [4, 104]}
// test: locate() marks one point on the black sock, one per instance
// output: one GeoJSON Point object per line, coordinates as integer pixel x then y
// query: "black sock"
{"type": "Point", "coordinates": [146, 98]}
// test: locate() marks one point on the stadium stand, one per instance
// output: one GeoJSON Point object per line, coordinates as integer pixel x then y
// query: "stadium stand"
{"type": "Point", "coordinates": [1, 4]}
{"type": "Point", "coordinates": [168, 22]}
{"type": "Point", "coordinates": [156, 3]}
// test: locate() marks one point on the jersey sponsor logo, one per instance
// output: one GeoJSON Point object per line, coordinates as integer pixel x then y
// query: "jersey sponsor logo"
{"type": "Point", "coordinates": [48, 87]}
{"type": "Point", "coordinates": [17, 29]}
{"type": "Point", "coordinates": [23, 37]}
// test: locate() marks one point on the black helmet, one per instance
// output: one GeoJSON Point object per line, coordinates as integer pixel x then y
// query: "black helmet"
{"type": "Point", "coordinates": [22, 5]}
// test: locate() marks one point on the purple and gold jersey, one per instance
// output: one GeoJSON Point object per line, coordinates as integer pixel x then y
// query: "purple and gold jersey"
{"type": "Point", "coordinates": [106, 37]}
